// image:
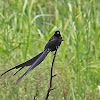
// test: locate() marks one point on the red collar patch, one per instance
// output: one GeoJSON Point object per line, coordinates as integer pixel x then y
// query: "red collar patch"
{"type": "Point", "coordinates": [60, 36]}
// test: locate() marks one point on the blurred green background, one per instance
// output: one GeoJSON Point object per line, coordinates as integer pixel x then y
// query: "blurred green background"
{"type": "Point", "coordinates": [25, 28]}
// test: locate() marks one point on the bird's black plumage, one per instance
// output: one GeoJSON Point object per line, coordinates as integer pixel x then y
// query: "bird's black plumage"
{"type": "Point", "coordinates": [52, 45]}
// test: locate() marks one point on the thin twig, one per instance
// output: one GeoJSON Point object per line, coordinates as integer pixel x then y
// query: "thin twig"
{"type": "Point", "coordinates": [51, 76]}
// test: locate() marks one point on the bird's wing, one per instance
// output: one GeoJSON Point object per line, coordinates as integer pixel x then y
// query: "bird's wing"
{"type": "Point", "coordinates": [51, 43]}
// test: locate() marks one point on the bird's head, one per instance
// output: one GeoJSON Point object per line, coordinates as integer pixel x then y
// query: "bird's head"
{"type": "Point", "coordinates": [57, 34]}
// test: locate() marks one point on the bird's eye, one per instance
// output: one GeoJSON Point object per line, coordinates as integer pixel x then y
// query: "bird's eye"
{"type": "Point", "coordinates": [57, 32]}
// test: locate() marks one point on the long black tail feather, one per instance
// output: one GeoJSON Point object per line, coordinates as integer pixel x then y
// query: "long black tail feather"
{"type": "Point", "coordinates": [8, 71]}
{"type": "Point", "coordinates": [36, 63]}
{"type": "Point", "coordinates": [18, 71]}
{"type": "Point", "coordinates": [27, 63]}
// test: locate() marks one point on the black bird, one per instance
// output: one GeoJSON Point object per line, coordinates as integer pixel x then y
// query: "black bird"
{"type": "Point", "coordinates": [52, 45]}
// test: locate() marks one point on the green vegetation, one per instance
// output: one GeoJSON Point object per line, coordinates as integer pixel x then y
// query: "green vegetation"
{"type": "Point", "coordinates": [25, 28]}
